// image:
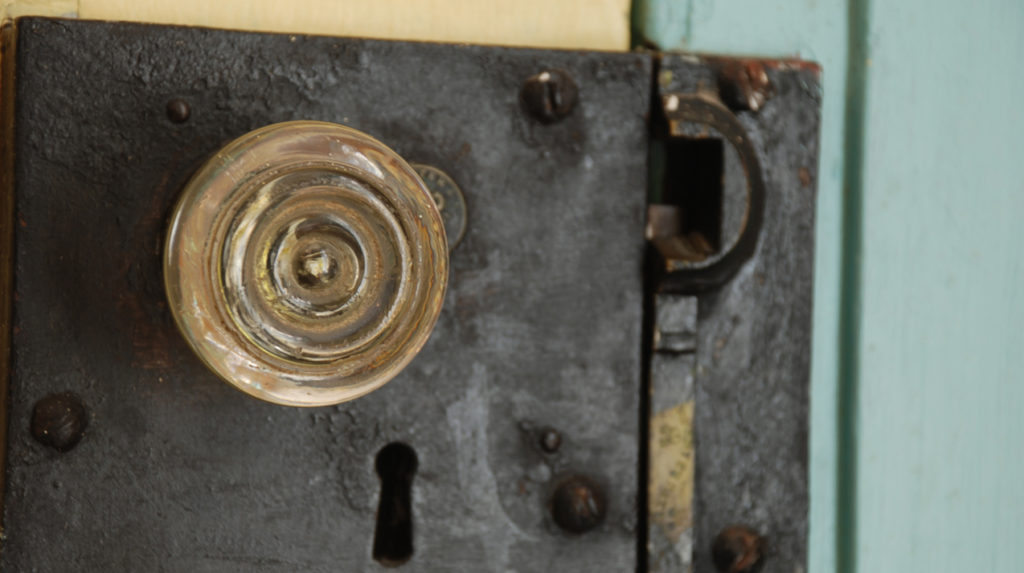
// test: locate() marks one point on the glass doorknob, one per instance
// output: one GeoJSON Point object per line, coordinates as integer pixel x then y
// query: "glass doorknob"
{"type": "Point", "coordinates": [306, 263]}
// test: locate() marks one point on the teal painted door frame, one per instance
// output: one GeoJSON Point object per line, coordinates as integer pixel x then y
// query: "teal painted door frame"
{"type": "Point", "coordinates": [918, 362]}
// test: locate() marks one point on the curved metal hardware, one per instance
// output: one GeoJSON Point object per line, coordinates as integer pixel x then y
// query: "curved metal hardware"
{"type": "Point", "coordinates": [687, 272]}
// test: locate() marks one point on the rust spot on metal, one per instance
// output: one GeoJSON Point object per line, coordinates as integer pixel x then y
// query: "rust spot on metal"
{"type": "Point", "coordinates": [738, 549]}
{"type": "Point", "coordinates": [768, 63]}
{"type": "Point", "coordinates": [463, 152]}
{"type": "Point", "coordinates": [805, 176]}
{"type": "Point", "coordinates": [744, 83]}
{"type": "Point", "coordinates": [792, 64]}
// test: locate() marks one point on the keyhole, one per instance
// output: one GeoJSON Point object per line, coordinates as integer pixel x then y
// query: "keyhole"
{"type": "Point", "coordinates": [392, 541]}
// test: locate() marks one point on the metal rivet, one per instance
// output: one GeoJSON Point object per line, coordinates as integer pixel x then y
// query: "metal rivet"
{"type": "Point", "coordinates": [737, 549]}
{"type": "Point", "coordinates": [549, 96]}
{"type": "Point", "coordinates": [578, 505]}
{"type": "Point", "coordinates": [59, 420]}
{"type": "Point", "coordinates": [550, 440]}
{"type": "Point", "coordinates": [178, 110]}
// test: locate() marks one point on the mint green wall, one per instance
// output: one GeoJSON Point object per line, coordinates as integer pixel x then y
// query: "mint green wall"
{"type": "Point", "coordinates": [920, 308]}
{"type": "Point", "coordinates": [941, 444]}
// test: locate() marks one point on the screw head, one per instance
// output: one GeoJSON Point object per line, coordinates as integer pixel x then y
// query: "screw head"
{"type": "Point", "coordinates": [550, 440]}
{"type": "Point", "coordinates": [59, 420]}
{"type": "Point", "coordinates": [745, 85]}
{"type": "Point", "coordinates": [578, 505]}
{"type": "Point", "coordinates": [178, 110]}
{"type": "Point", "coordinates": [549, 96]}
{"type": "Point", "coordinates": [737, 549]}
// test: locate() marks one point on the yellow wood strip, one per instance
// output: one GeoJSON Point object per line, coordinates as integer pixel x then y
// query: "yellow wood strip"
{"type": "Point", "coordinates": [7, 218]}
{"type": "Point", "coordinates": [585, 24]}
{"type": "Point", "coordinates": [17, 8]}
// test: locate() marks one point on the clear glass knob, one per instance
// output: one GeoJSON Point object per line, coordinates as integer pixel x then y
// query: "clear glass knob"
{"type": "Point", "coordinates": [306, 263]}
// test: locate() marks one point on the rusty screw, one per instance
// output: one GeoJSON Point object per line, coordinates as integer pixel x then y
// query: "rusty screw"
{"type": "Point", "coordinates": [59, 420]}
{"type": "Point", "coordinates": [178, 110]}
{"type": "Point", "coordinates": [737, 549]}
{"type": "Point", "coordinates": [550, 440]}
{"type": "Point", "coordinates": [745, 85]}
{"type": "Point", "coordinates": [578, 505]}
{"type": "Point", "coordinates": [549, 96]}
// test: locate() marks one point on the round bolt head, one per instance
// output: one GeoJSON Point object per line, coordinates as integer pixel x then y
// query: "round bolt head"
{"type": "Point", "coordinates": [178, 110]}
{"type": "Point", "coordinates": [549, 96]}
{"type": "Point", "coordinates": [550, 440]}
{"type": "Point", "coordinates": [578, 505]}
{"type": "Point", "coordinates": [58, 421]}
{"type": "Point", "coordinates": [737, 549]}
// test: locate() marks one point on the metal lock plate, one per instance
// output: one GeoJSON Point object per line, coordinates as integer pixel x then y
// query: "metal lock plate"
{"type": "Point", "coordinates": [543, 325]}
{"type": "Point", "coordinates": [739, 347]}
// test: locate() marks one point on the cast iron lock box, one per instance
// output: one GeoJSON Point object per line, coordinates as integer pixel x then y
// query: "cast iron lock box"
{"type": "Point", "coordinates": [582, 341]}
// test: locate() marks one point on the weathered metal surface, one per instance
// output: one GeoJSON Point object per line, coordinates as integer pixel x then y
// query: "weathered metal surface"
{"type": "Point", "coordinates": [752, 344]}
{"type": "Point", "coordinates": [177, 471]}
